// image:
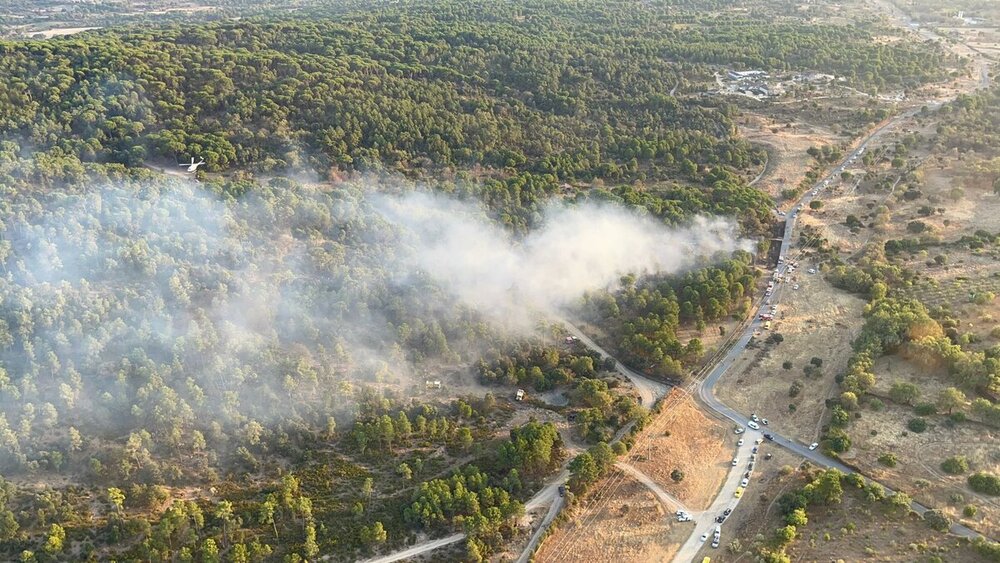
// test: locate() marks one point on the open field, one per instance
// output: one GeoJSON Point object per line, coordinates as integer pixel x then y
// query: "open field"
{"type": "Point", "coordinates": [632, 526]}
{"type": "Point", "coordinates": [786, 145]}
{"type": "Point", "coordinates": [700, 447]}
{"type": "Point", "coordinates": [815, 321]}
{"type": "Point", "coordinates": [919, 455]}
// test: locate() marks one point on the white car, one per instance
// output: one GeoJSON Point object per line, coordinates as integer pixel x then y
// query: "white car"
{"type": "Point", "coordinates": [740, 430]}
{"type": "Point", "coordinates": [753, 417]}
{"type": "Point", "coordinates": [763, 421]}
{"type": "Point", "coordinates": [735, 461]}
{"type": "Point", "coordinates": [795, 287]}
{"type": "Point", "coordinates": [813, 446]}
{"type": "Point", "coordinates": [715, 543]}
{"type": "Point", "coordinates": [744, 482]}
{"type": "Point", "coordinates": [758, 441]}
{"type": "Point", "coordinates": [812, 270]}
{"type": "Point", "coordinates": [739, 442]}
{"type": "Point", "coordinates": [753, 425]}
{"type": "Point", "coordinates": [704, 536]}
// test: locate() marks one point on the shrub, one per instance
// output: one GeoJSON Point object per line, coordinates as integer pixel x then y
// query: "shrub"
{"type": "Point", "coordinates": [888, 459]}
{"type": "Point", "coordinates": [955, 465]}
{"type": "Point", "coordinates": [917, 425]}
{"type": "Point", "coordinates": [677, 475]}
{"type": "Point", "coordinates": [925, 409]}
{"type": "Point", "coordinates": [985, 483]}
{"type": "Point", "coordinates": [937, 520]}
{"type": "Point", "coordinates": [876, 404]}
{"type": "Point", "coordinates": [788, 365]}
{"type": "Point", "coordinates": [969, 511]}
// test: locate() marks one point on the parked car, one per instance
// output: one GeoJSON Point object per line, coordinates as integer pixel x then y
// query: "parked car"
{"type": "Point", "coordinates": [745, 482]}
{"type": "Point", "coordinates": [739, 442]}
{"type": "Point", "coordinates": [813, 446]}
{"type": "Point", "coordinates": [736, 460]}
{"type": "Point", "coordinates": [753, 425]}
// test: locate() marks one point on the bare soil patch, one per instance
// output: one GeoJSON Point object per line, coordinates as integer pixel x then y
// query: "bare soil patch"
{"type": "Point", "coordinates": [632, 526]}
{"type": "Point", "coordinates": [817, 320]}
{"type": "Point", "coordinates": [918, 469]}
{"type": "Point", "coordinates": [701, 447]}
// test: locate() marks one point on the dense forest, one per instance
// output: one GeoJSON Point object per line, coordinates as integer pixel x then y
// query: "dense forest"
{"type": "Point", "coordinates": [536, 86]}
{"type": "Point", "coordinates": [234, 368]}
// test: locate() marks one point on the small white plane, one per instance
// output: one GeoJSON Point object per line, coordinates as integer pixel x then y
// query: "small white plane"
{"type": "Point", "coordinates": [193, 167]}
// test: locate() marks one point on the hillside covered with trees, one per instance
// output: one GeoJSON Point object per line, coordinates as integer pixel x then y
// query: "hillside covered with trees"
{"type": "Point", "coordinates": [234, 368]}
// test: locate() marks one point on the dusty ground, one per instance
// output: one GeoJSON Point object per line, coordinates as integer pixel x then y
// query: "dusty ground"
{"type": "Point", "coordinates": [878, 537]}
{"type": "Point", "coordinates": [918, 470]}
{"type": "Point", "coordinates": [699, 446]}
{"type": "Point", "coordinates": [631, 526]}
{"type": "Point", "coordinates": [815, 321]}
{"type": "Point", "coordinates": [787, 146]}
{"type": "Point", "coordinates": [624, 521]}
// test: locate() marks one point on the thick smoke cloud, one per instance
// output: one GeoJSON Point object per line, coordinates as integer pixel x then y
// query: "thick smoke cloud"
{"type": "Point", "coordinates": [579, 248]}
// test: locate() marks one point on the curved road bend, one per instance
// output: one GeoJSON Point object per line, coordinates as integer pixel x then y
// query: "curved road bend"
{"type": "Point", "coordinates": [649, 391]}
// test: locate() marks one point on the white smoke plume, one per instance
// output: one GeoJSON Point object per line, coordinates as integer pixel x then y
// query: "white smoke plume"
{"type": "Point", "coordinates": [579, 248]}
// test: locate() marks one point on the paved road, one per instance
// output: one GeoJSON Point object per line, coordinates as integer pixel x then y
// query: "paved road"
{"type": "Point", "coordinates": [726, 498]}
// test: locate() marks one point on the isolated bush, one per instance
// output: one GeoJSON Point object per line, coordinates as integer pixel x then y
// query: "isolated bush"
{"type": "Point", "coordinates": [937, 520]}
{"type": "Point", "coordinates": [925, 409]}
{"type": "Point", "coordinates": [788, 365]}
{"type": "Point", "coordinates": [677, 475]}
{"type": "Point", "coordinates": [888, 459]}
{"type": "Point", "coordinates": [917, 425]}
{"type": "Point", "coordinates": [955, 465]}
{"type": "Point", "coordinates": [969, 511]}
{"type": "Point", "coordinates": [985, 483]}
{"type": "Point", "coordinates": [904, 393]}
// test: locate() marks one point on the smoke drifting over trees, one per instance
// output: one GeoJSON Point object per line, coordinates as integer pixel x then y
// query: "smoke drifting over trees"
{"type": "Point", "coordinates": [161, 321]}
{"type": "Point", "coordinates": [578, 249]}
